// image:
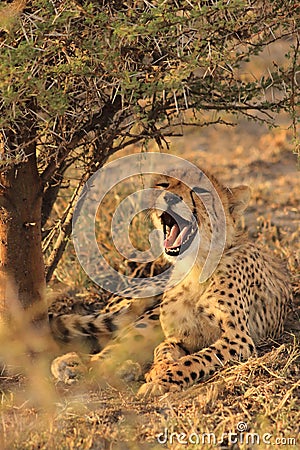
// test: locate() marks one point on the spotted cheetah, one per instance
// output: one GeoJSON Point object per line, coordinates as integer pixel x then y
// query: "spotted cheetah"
{"type": "Point", "coordinates": [200, 322]}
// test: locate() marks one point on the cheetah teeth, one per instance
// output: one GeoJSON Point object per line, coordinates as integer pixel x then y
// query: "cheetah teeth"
{"type": "Point", "coordinates": [188, 236]}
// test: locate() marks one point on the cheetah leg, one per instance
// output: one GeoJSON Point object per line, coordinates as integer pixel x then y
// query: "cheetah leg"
{"type": "Point", "coordinates": [83, 333]}
{"type": "Point", "coordinates": [167, 352]}
{"type": "Point", "coordinates": [130, 355]}
{"type": "Point", "coordinates": [126, 356]}
{"type": "Point", "coordinates": [193, 368]}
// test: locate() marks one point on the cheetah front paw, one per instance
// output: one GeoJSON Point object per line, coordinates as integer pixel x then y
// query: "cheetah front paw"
{"type": "Point", "coordinates": [152, 389]}
{"type": "Point", "coordinates": [68, 368]}
{"type": "Point", "coordinates": [156, 388]}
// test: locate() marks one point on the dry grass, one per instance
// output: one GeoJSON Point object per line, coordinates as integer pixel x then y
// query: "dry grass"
{"type": "Point", "coordinates": [262, 393]}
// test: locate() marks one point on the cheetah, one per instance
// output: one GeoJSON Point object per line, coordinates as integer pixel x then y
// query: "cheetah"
{"type": "Point", "coordinates": [200, 322]}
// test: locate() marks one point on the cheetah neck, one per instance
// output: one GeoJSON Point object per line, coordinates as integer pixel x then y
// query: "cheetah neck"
{"type": "Point", "coordinates": [197, 270]}
{"type": "Point", "coordinates": [183, 275]}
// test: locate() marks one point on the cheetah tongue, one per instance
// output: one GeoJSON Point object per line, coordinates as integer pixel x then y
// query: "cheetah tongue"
{"type": "Point", "coordinates": [175, 238]}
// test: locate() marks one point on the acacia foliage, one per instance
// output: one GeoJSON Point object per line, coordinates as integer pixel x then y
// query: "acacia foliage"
{"type": "Point", "coordinates": [88, 78]}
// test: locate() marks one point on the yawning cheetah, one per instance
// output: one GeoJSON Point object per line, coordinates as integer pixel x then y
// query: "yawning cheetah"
{"type": "Point", "coordinates": [199, 323]}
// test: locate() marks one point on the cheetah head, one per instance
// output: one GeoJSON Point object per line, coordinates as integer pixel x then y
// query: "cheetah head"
{"type": "Point", "coordinates": [184, 211]}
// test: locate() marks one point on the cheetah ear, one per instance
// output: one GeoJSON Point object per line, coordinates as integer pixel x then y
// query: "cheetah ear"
{"type": "Point", "coordinates": [238, 200]}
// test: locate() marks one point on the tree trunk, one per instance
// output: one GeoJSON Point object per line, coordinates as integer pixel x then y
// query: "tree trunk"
{"type": "Point", "coordinates": [22, 282]}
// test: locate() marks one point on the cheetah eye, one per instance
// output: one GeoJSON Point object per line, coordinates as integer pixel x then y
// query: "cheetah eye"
{"type": "Point", "coordinates": [199, 190]}
{"type": "Point", "coordinates": [163, 185]}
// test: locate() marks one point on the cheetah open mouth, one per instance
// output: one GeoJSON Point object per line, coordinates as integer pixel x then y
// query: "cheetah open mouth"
{"type": "Point", "coordinates": [178, 233]}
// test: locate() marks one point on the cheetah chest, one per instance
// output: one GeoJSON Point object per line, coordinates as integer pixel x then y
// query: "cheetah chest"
{"type": "Point", "coordinates": [182, 320]}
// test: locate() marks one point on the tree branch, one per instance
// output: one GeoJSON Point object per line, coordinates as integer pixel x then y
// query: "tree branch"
{"type": "Point", "coordinates": [99, 120]}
